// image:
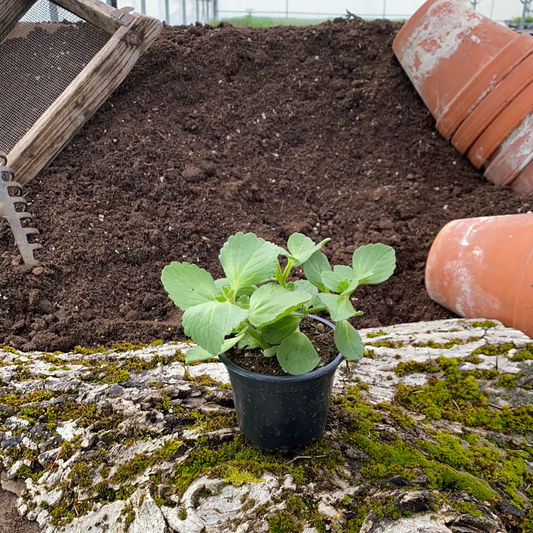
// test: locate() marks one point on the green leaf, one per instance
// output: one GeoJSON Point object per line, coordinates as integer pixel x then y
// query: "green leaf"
{"type": "Point", "coordinates": [270, 352]}
{"type": "Point", "coordinates": [339, 307]}
{"type": "Point", "coordinates": [314, 267]}
{"type": "Point", "coordinates": [348, 341]}
{"type": "Point", "coordinates": [296, 354]}
{"type": "Point", "coordinates": [248, 260]}
{"type": "Point", "coordinates": [272, 302]}
{"type": "Point", "coordinates": [304, 286]}
{"type": "Point", "coordinates": [188, 285]}
{"type": "Point", "coordinates": [207, 324]}
{"type": "Point", "coordinates": [197, 353]}
{"type": "Point", "coordinates": [222, 285]}
{"type": "Point", "coordinates": [373, 263]}
{"type": "Point", "coordinates": [342, 279]}
{"type": "Point", "coordinates": [301, 248]}
{"type": "Point", "coordinates": [231, 342]}
{"type": "Point", "coordinates": [249, 342]}
{"type": "Point", "coordinates": [277, 331]}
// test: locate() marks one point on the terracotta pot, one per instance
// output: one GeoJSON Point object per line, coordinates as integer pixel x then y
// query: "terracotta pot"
{"type": "Point", "coordinates": [493, 104]}
{"type": "Point", "coordinates": [513, 156]}
{"type": "Point", "coordinates": [501, 127]}
{"type": "Point", "coordinates": [523, 183]}
{"type": "Point", "coordinates": [483, 268]}
{"type": "Point", "coordinates": [447, 49]}
{"type": "Point", "coordinates": [481, 85]}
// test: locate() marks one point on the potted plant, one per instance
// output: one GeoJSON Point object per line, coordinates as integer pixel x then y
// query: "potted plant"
{"type": "Point", "coordinates": [257, 306]}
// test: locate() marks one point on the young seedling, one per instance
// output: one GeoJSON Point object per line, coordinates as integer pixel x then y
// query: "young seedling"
{"type": "Point", "coordinates": [255, 306]}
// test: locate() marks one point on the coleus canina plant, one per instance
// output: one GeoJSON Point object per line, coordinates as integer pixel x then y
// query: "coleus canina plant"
{"type": "Point", "coordinates": [255, 306]}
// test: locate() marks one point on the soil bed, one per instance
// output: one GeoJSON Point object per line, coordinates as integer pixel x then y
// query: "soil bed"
{"type": "Point", "coordinates": [220, 130]}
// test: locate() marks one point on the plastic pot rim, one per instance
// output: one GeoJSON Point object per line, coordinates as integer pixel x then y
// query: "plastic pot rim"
{"type": "Point", "coordinates": [285, 379]}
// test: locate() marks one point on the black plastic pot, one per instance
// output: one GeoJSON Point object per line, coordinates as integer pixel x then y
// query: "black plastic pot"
{"type": "Point", "coordinates": [282, 413]}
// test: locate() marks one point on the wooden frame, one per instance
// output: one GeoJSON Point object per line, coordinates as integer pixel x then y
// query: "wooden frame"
{"type": "Point", "coordinates": [131, 35]}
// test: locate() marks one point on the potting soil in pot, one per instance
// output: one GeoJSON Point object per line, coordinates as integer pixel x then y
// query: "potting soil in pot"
{"type": "Point", "coordinates": [220, 130]}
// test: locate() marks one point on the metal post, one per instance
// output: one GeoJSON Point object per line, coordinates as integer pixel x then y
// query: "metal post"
{"type": "Point", "coordinates": [143, 7]}
{"type": "Point", "coordinates": [525, 11]}
{"type": "Point", "coordinates": [184, 10]}
{"type": "Point", "coordinates": [384, 8]}
{"type": "Point", "coordinates": [167, 12]}
{"type": "Point", "coordinates": [215, 9]}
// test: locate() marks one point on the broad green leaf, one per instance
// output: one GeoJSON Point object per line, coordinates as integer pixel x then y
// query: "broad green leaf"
{"type": "Point", "coordinates": [249, 342]}
{"type": "Point", "coordinates": [301, 248]}
{"type": "Point", "coordinates": [342, 279]}
{"type": "Point", "coordinates": [270, 352]}
{"type": "Point", "coordinates": [248, 260]}
{"type": "Point", "coordinates": [207, 324]}
{"type": "Point", "coordinates": [188, 285]}
{"type": "Point", "coordinates": [373, 263]}
{"type": "Point", "coordinates": [197, 353]}
{"type": "Point", "coordinates": [304, 286]}
{"type": "Point", "coordinates": [230, 343]}
{"type": "Point", "coordinates": [348, 341]}
{"type": "Point", "coordinates": [296, 354]}
{"type": "Point", "coordinates": [272, 302]}
{"type": "Point", "coordinates": [339, 307]}
{"type": "Point", "coordinates": [314, 267]}
{"type": "Point", "coordinates": [277, 331]}
{"type": "Point", "coordinates": [222, 285]}
{"type": "Point", "coordinates": [243, 301]}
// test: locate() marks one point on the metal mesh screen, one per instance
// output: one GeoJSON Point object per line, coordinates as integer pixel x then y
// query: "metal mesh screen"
{"type": "Point", "coordinates": [39, 58]}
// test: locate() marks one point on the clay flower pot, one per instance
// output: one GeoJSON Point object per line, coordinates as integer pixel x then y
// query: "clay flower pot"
{"type": "Point", "coordinates": [483, 268]}
{"type": "Point", "coordinates": [454, 56]}
{"type": "Point", "coordinates": [513, 156]}
{"type": "Point", "coordinates": [523, 183]}
{"type": "Point", "coordinates": [501, 127]}
{"type": "Point", "coordinates": [493, 104]}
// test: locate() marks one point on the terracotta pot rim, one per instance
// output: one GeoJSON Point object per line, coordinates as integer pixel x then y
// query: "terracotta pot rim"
{"type": "Point", "coordinates": [483, 83]}
{"type": "Point", "coordinates": [493, 104]}
{"type": "Point", "coordinates": [501, 127]}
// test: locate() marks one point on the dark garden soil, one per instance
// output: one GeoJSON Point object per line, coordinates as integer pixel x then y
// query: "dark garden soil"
{"type": "Point", "coordinates": [220, 130]}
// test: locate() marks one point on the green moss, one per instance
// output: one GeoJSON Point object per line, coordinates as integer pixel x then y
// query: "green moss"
{"type": "Point", "coordinates": [473, 359]}
{"type": "Point", "coordinates": [414, 367]}
{"type": "Point", "coordinates": [128, 347]}
{"type": "Point", "coordinates": [400, 417]}
{"type": "Point", "coordinates": [523, 355]}
{"type": "Point", "coordinates": [457, 397]}
{"type": "Point", "coordinates": [374, 334]}
{"type": "Point", "coordinates": [508, 380]}
{"type": "Point", "coordinates": [89, 351]}
{"type": "Point", "coordinates": [283, 522]}
{"type": "Point", "coordinates": [486, 324]}
{"type": "Point", "coordinates": [449, 479]}
{"type": "Point", "coordinates": [119, 376]}
{"type": "Point", "coordinates": [369, 354]}
{"type": "Point", "coordinates": [9, 349]}
{"type": "Point", "coordinates": [388, 344]}
{"type": "Point", "coordinates": [238, 477]}
{"type": "Point", "coordinates": [466, 508]}
{"type": "Point", "coordinates": [157, 342]}
{"type": "Point", "coordinates": [494, 350]}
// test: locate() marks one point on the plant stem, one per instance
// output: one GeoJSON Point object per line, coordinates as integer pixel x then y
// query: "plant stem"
{"type": "Point", "coordinates": [257, 336]}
